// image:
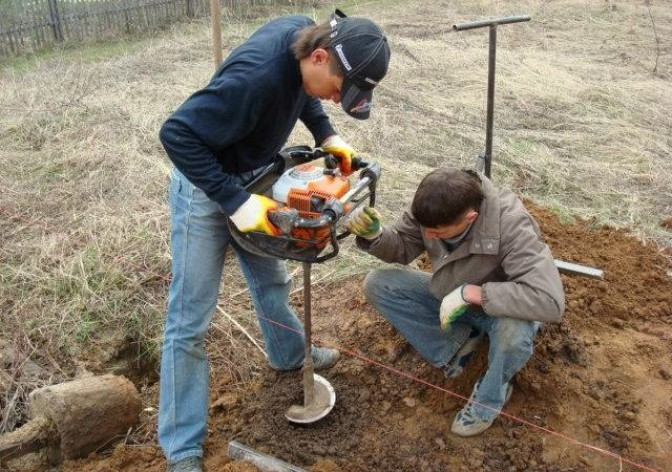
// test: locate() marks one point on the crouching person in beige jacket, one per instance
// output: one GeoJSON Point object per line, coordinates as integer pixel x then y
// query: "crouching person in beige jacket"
{"type": "Point", "coordinates": [491, 274]}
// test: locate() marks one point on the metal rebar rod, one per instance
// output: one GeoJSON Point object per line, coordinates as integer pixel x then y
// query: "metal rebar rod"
{"type": "Point", "coordinates": [577, 269]}
{"type": "Point", "coordinates": [263, 462]}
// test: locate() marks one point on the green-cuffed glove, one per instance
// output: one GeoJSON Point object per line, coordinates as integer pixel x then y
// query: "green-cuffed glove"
{"type": "Point", "coordinates": [365, 223]}
{"type": "Point", "coordinates": [342, 151]}
{"type": "Point", "coordinates": [253, 215]}
{"type": "Point", "coordinates": [452, 306]}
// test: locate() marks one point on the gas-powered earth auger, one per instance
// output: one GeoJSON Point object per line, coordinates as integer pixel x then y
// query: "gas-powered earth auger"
{"type": "Point", "coordinates": [314, 198]}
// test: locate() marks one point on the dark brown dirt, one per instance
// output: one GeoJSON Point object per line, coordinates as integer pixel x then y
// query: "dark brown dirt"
{"type": "Point", "coordinates": [601, 377]}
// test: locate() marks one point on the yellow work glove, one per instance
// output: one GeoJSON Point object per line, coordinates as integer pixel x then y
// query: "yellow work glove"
{"type": "Point", "coordinates": [365, 223]}
{"type": "Point", "coordinates": [253, 215]}
{"type": "Point", "coordinates": [342, 151]}
{"type": "Point", "coordinates": [452, 306]}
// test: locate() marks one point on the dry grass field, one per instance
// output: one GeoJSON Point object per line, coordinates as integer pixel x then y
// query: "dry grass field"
{"type": "Point", "coordinates": [582, 127]}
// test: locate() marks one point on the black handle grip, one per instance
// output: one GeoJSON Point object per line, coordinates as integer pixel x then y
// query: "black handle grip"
{"type": "Point", "coordinates": [359, 163]}
{"type": "Point", "coordinates": [331, 162]}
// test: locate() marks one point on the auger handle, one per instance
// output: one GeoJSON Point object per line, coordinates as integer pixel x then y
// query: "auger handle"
{"type": "Point", "coordinates": [493, 22]}
{"type": "Point", "coordinates": [484, 161]}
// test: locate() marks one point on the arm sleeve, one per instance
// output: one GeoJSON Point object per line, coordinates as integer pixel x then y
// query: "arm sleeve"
{"type": "Point", "coordinates": [212, 119]}
{"type": "Point", "coordinates": [533, 290]}
{"type": "Point", "coordinates": [316, 120]}
{"type": "Point", "coordinates": [400, 243]}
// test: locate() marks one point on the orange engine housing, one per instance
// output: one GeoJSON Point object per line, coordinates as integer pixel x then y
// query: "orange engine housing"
{"type": "Point", "coordinates": [309, 202]}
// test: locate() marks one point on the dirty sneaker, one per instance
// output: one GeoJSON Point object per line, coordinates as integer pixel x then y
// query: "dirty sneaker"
{"type": "Point", "coordinates": [468, 424]}
{"type": "Point", "coordinates": [188, 464]}
{"type": "Point", "coordinates": [323, 357]}
{"type": "Point", "coordinates": [456, 365]}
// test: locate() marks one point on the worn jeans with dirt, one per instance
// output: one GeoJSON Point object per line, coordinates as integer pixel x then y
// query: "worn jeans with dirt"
{"type": "Point", "coordinates": [404, 298]}
{"type": "Point", "coordinates": [199, 240]}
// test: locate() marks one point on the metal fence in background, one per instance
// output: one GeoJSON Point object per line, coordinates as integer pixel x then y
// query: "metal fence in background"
{"type": "Point", "coordinates": [31, 25]}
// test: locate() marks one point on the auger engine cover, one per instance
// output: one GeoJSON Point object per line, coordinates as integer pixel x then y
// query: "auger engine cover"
{"type": "Point", "coordinates": [309, 190]}
{"type": "Point", "coordinates": [312, 201]}
{"type": "Point", "coordinates": [307, 178]}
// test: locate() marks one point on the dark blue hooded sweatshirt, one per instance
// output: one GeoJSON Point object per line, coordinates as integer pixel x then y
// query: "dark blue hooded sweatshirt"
{"type": "Point", "coordinates": [244, 116]}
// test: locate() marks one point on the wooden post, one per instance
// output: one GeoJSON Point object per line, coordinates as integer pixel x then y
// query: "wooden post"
{"type": "Point", "coordinates": [215, 18]}
{"type": "Point", "coordinates": [75, 418]}
{"type": "Point", "coordinates": [55, 20]}
{"type": "Point", "coordinates": [89, 413]}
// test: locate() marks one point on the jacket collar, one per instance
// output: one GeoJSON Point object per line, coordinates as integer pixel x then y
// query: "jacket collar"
{"type": "Point", "coordinates": [484, 236]}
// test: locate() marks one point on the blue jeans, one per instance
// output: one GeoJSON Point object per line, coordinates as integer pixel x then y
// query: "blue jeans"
{"type": "Point", "coordinates": [199, 240]}
{"type": "Point", "coordinates": [404, 298]}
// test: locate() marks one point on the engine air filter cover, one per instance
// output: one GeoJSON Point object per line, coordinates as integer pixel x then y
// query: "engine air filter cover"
{"type": "Point", "coordinates": [299, 177]}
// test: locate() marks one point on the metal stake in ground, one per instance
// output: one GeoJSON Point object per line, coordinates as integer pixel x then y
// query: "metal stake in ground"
{"type": "Point", "coordinates": [319, 396]}
{"type": "Point", "coordinates": [484, 161]}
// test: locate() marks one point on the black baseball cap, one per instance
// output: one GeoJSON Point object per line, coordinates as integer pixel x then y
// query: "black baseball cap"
{"type": "Point", "coordinates": [363, 55]}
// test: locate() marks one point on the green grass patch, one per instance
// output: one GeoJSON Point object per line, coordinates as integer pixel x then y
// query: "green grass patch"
{"type": "Point", "coordinates": [74, 51]}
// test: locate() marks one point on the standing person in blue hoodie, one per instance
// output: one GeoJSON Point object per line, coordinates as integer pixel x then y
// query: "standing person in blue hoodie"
{"type": "Point", "coordinates": [218, 140]}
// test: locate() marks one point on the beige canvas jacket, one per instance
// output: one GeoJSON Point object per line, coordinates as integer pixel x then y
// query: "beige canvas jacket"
{"type": "Point", "coordinates": [503, 253]}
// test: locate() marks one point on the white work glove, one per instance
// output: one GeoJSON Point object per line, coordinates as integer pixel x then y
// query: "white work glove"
{"type": "Point", "coordinates": [342, 151]}
{"type": "Point", "coordinates": [452, 306]}
{"type": "Point", "coordinates": [365, 223]}
{"type": "Point", "coordinates": [253, 215]}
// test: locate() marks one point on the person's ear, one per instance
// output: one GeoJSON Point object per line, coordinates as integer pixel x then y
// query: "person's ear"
{"type": "Point", "coordinates": [471, 216]}
{"type": "Point", "coordinates": [320, 56]}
